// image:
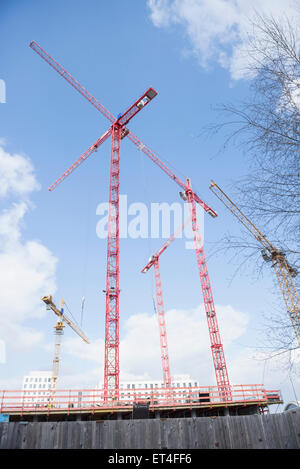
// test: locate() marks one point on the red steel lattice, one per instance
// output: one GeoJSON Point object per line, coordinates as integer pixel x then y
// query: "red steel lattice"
{"type": "Point", "coordinates": [214, 333]}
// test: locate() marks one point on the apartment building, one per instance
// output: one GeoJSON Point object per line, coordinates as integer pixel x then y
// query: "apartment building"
{"type": "Point", "coordinates": [36, 387]}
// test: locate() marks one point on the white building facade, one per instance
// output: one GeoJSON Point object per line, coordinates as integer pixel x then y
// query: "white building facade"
{"type": "Point", "coordinates": [183, 385]}
{"type": "Point", "coordinates": [37, 386]}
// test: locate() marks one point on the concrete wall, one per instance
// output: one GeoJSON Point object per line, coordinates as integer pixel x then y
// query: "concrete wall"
{"type": "Point", "coordinates": [253, 431]}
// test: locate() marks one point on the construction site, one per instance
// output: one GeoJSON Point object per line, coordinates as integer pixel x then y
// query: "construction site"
{"type": "Point", "coordinates": [166, 402]}
{"type": "Point", "coordinates": [172, 412]}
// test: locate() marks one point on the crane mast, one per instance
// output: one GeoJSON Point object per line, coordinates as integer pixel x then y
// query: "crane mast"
{"type": "Point", "coordinates": [217, 350]}
{"type": "Point", "coordinates": [162, 331]}
{"type": "Point", "coordinates": [154, 261]}
{"type": "Point", "coordinates": [111, 362]}
{"type": "Point", "coordinates": [283, 270]}
{"type": "Point", "coordinates": [59, 330]}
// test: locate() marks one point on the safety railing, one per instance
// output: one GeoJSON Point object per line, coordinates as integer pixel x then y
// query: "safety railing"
{"type": "Point", "coordinates": [94, 399]}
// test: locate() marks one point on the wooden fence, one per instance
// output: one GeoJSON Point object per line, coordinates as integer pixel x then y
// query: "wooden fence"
{"type": "Point", "coordinates": [253, 431]}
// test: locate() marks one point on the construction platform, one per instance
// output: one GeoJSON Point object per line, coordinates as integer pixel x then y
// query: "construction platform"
{"type": "Point", "coordinates": [72, 405]}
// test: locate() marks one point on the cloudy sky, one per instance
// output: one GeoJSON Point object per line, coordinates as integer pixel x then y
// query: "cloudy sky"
{"type": "Point", "coordinates": [193, 52]}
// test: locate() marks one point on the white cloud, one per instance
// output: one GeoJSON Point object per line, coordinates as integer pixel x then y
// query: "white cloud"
{"type": "Point", "coordinates": [218, 30]}
{"type": "Point", "coordinates": [26, 273]}
{"type": "Point", "coordinates": [85, 380]}
{"type": "Point", "coordinates": [93, 352]}
{"type": "Point", "coordinates": [27, 268]}
{"type": "Point", "coordinates": [290, 98]}
{"type": "Point", "coordinates": [16, 175]}
{"type": "Point", "coordinates": [188, 343]}
{"type": "Point", "coordinates": [10, 220]}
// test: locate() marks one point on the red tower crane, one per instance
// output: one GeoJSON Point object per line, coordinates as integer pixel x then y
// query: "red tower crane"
{"type": "Point", "coordinates": [118, 131]}
{"type": "Point", "coordinates": [213, 328]}
{"type": "Point", "coordinates": [154, 261]}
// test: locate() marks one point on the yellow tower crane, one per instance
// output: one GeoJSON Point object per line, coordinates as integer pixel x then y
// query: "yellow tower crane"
{"type": "Point", "coordinates": [283, 270]}
{"type": "Point", "coordinates": [62, 317]}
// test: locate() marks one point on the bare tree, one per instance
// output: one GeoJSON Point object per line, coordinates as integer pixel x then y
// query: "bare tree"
{"type": "Point", "coordinates": [267, 128]}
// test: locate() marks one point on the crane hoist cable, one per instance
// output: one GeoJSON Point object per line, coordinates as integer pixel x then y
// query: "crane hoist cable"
{"type": "Point", "coordinates": [74, 319]}
{"type": "Point", "coordinates": [82, 309]}
{"type": "Point", "coordinates": [147, 198]}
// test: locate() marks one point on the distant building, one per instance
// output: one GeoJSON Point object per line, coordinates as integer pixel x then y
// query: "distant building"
{"type": "Point", "coordinates": [144, 389]}
{"type": "Point", "coordinates": [36, 386]}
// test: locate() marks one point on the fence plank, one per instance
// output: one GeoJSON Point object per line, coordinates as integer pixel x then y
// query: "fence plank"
{"type": "Point", "coordinates": [237, 432]}
{"type": "Point", "coordinates": [222, 434]}
{"type": "Point", "coordinates": [286, 431]}
{"type": "Point", "coordinates": [294, 422]}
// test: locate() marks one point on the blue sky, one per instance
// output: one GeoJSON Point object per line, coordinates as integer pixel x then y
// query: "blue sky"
{"type": "Point", "coordinates": [117, 50]}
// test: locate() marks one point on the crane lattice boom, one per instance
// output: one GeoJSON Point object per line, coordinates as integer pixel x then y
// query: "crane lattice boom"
{"type": "Point", "coordinates": [122, 121]}
{"type": "Point", "coordinates": [63, 317]}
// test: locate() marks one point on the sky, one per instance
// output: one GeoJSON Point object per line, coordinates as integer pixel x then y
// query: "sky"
{"type": "Point", "coordinates": [192, 52]}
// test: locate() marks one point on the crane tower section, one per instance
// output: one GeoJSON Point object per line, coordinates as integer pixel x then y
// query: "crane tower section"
{"type": "Point", "coordinates": [213, 328]}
